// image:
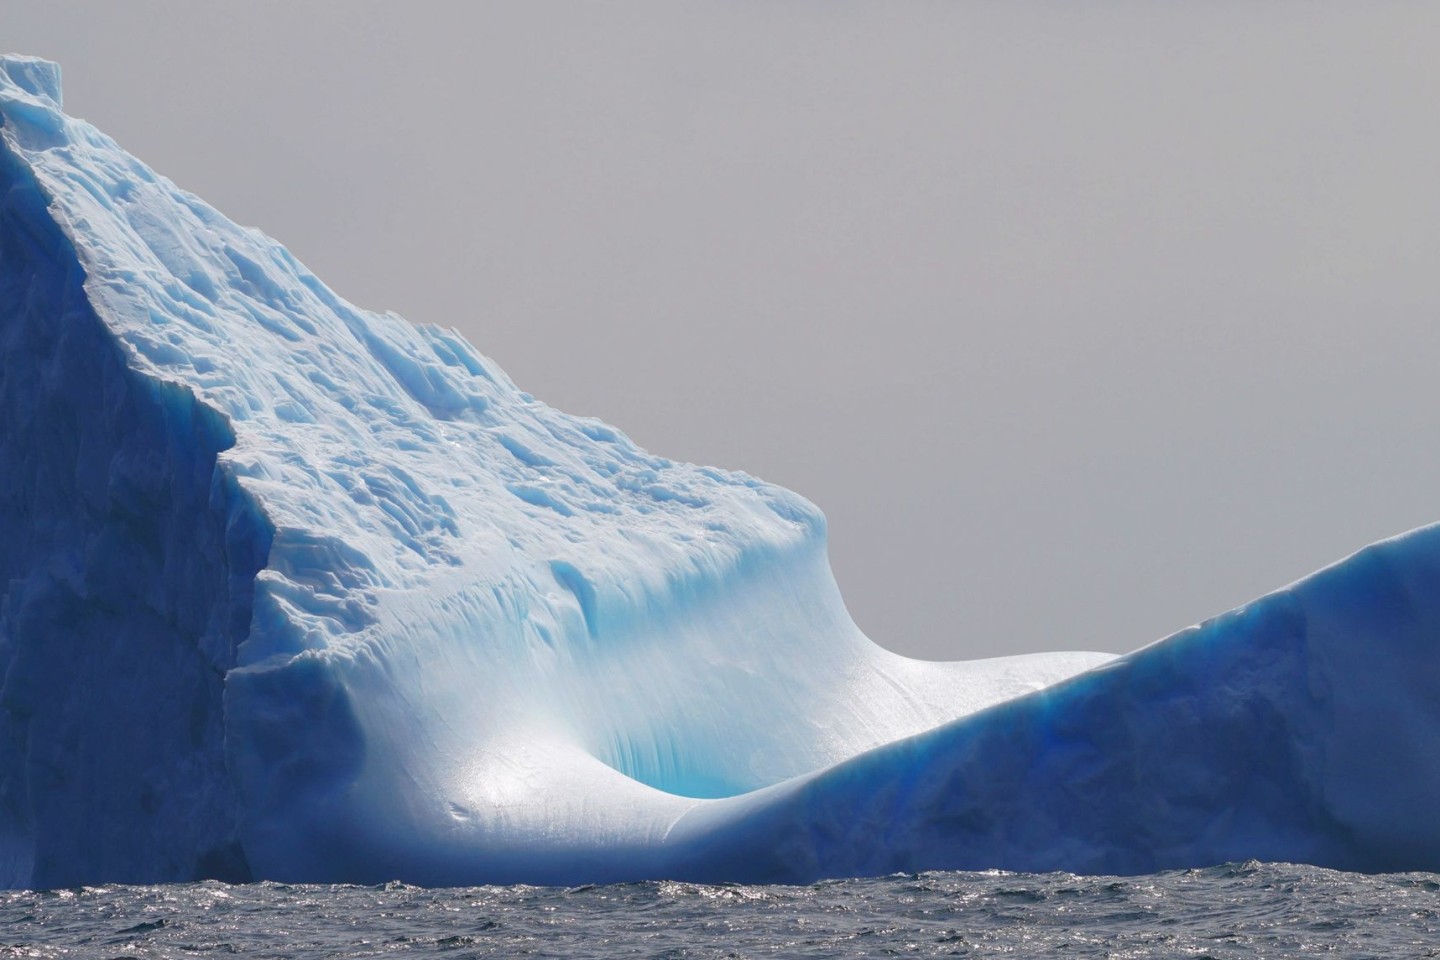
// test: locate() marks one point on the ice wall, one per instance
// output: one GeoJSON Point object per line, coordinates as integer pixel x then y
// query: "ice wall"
{"type": "Point", "coordinates": [127, 562]}
{"type": "Point", "coordinates": [297, 591]}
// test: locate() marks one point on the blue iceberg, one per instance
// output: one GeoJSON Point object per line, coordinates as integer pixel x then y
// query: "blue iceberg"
{"type": "Point", "coordinates": [296, 591]}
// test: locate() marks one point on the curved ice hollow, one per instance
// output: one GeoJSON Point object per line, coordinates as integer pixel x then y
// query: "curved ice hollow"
{"type": "Point", "coordinates": [302, 592]}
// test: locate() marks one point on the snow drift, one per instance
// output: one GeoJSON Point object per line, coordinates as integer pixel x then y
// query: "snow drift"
{"type": "Point", "coordinates": [296, 591]}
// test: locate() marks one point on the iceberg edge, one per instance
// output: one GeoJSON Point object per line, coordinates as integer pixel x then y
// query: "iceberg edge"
{"type": "Point", "coordinates": [302, 592]}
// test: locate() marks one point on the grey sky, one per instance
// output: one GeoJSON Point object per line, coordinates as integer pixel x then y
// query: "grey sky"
{"type": "Point", "coordinates": [1080, 321]}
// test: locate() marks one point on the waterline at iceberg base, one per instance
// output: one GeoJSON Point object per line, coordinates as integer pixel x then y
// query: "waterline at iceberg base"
{"type": "Point", "coordinates": [296, 591]}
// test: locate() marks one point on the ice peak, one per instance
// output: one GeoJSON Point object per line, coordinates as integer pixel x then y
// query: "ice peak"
{"type": "Point", "coordinates": [34, 75]}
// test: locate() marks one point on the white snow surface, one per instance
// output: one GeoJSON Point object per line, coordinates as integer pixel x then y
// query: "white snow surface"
{"type": "Point", "coordinates": [549, 642]}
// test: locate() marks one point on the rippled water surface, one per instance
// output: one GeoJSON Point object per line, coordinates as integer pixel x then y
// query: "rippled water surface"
{"type": "Point", "coordinates": [1241, 910]}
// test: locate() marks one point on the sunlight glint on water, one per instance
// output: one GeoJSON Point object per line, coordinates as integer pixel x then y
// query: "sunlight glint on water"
{"type": "Point", "coordinates": [1240, 910]}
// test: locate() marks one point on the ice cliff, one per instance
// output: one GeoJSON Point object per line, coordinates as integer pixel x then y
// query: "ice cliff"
{"type": "Point", "coordinates": [293, 590]}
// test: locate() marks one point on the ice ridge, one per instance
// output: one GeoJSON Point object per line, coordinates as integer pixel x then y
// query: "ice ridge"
{"type": "Point", "coordinates": [297, 591]}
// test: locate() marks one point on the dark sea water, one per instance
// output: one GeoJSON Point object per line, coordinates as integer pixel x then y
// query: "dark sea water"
{"type": "Point", "coordinates": [1240, 910]}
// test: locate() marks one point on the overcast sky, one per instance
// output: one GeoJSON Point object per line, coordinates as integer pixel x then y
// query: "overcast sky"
{"type": "Point", "coordinates": [1082, 322]}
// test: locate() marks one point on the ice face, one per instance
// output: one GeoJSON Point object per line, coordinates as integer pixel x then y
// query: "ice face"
{"type": "Point", "coordinates": [298, 591]}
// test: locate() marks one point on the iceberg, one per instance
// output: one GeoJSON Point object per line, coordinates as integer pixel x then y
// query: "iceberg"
{"type": "Point", "coordinates": [291, 590]}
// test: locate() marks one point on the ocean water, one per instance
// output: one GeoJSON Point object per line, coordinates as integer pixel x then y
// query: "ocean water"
{"type": "Point", "coordinates": [1238, 910]}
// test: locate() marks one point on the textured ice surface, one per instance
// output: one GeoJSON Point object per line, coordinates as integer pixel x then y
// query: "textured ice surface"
{"type": "Point", "coordinates": [297, 591]}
